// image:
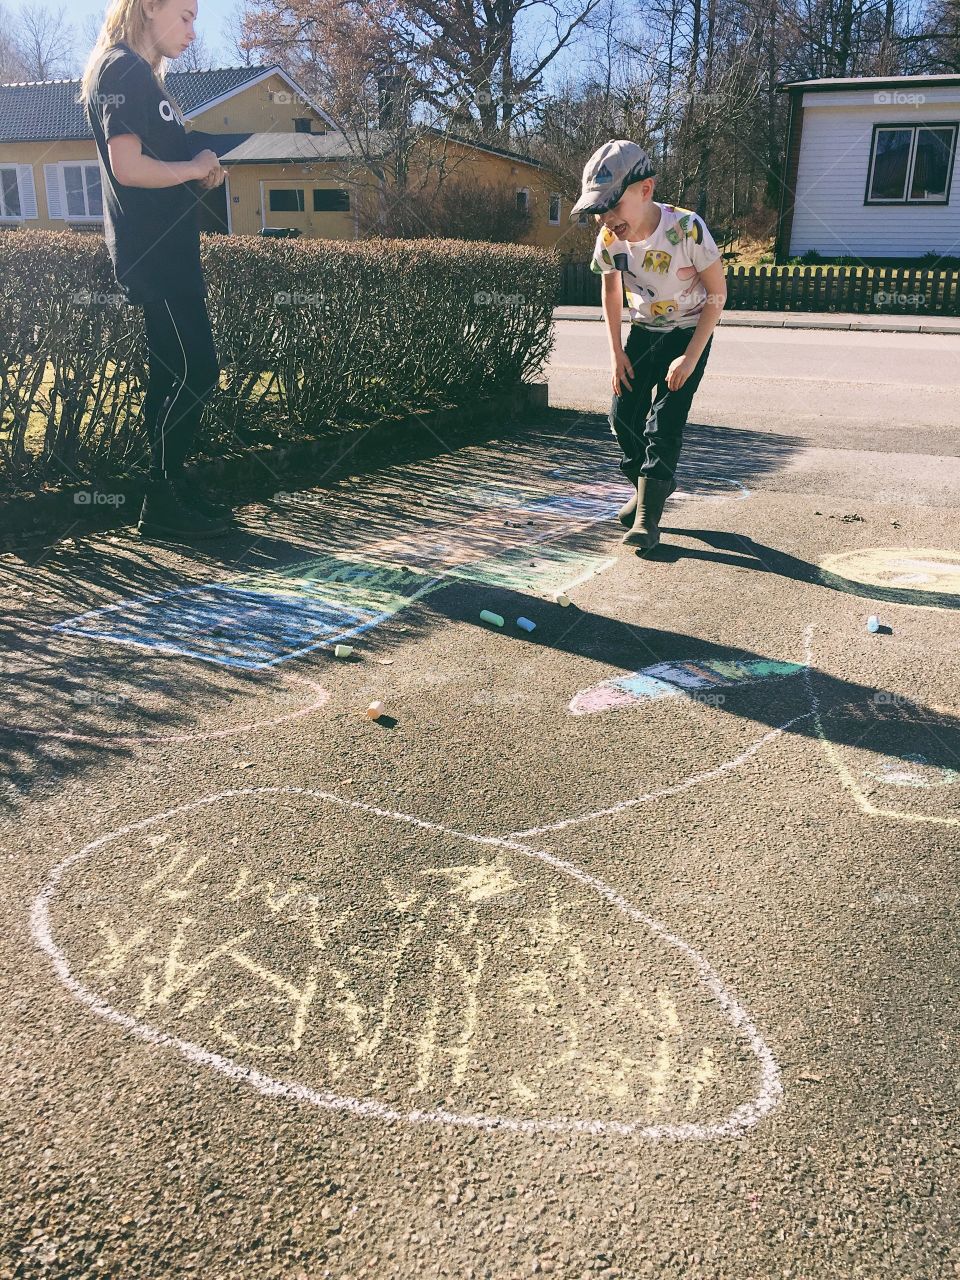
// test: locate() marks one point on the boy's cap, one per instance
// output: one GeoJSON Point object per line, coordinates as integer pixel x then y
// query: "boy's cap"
{"type": "Point", "coordinates": [608, 173]}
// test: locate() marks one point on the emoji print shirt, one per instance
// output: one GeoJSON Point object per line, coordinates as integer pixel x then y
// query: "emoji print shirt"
{"type": "Point", "coordinates": [661, 275]}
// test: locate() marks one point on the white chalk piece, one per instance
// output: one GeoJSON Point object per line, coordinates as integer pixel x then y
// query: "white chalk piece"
{"type": "Point", "coordinates": [343, 650]}
{"type": "Point", "coordinates": [376, 710]}
{"type": "Point", "coordinates": [495, 618]}
{"type": "Point", "coordinates": [562, 598]}
{"type": "Point", "coordinates": [873, 624]}
{"type": "Point", "coordinates": [526, 624]}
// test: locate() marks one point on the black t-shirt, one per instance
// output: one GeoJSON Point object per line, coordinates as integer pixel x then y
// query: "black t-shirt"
{"type": "Point", "coordinates": [152, 234]}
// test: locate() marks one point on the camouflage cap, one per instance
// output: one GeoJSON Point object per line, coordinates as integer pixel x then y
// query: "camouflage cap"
{"type": "Point", "coordinates": [608, 173]}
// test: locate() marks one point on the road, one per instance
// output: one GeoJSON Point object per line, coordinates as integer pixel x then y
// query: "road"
{"type": "Point", "coordinates": [625, 946]}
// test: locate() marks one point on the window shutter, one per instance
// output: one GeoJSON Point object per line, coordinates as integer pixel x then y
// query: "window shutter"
{"type": "Point", "coordinates": [54, 184]}
{"type": "Point", "coordinates": [28, 191]}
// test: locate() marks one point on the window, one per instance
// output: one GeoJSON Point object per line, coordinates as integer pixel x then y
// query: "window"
{"type": "Point", "coordinates": [583, 220]}
{"type": "Point", "coordinates": [523, 200]}
{"type": "Point", "coordinates": [301, 124]}
{"type": "Point", "coordinates": [286, 200]}
{"type": "Point", "coordinates": [911, 164]}
{"type": "Point", "coordinates": [9, 194]}
{"type": "Point", "coordinates": [81, 189]}
{"type": "Point", "coordinates": [331, 201]}
{"type": "Point", "coordinates": [554, 217]}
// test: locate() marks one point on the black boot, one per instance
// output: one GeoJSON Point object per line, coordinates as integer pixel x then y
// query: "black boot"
{"type": "Point", "coordinates": [651, 497]}
{"type": "Point", "coordinates": [628, 511]}
{"type": "Point", "coordinates": [164, 516]}
{"type": "Point", "coordinates": [192, 496]}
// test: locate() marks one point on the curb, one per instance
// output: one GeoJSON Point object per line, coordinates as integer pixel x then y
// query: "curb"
{"type": "Point", "coordinates": [337, 455]}
{"type": "Point", "coordinates": [797, 320]}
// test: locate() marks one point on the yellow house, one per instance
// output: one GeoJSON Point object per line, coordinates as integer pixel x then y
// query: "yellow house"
{"type": "Point", "coordinates": [288, 165]}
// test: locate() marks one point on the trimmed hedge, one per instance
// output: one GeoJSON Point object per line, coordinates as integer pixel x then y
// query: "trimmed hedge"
{"type": "Point", "coordinates": [313, 336]}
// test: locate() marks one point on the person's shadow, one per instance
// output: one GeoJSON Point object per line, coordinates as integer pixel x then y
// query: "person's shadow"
{"type": "Point", "coordinates": [811, 702]}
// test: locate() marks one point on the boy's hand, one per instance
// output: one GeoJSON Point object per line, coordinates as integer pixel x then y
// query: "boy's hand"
{"type": "Point", "coordinates": [679, 371]}
{"type": "Point", "coordinates": [622, 373]}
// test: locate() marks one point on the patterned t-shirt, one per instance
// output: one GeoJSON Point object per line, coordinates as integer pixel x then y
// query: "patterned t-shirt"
{"type": "Point", "coordinates": [661, 275]}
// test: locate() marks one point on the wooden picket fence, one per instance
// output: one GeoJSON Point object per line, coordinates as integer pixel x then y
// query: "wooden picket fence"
{"type": "Point", "coordinates": [908, 291]}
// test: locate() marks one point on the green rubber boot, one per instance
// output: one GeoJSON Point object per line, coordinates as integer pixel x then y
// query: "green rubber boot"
{"type": "Point", "coordinates": [628, 511]}
{"type": "Point", "coordinates": [651, 498]}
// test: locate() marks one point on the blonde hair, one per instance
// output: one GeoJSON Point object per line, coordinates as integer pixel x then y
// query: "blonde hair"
{"type": "Point", "coordinates": [125, 22]}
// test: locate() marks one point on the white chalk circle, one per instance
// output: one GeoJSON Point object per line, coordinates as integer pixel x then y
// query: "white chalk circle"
{"type": "Point", "coordinates": [438, 971]}
{"type": "Point", "coordinates": [88, 699]}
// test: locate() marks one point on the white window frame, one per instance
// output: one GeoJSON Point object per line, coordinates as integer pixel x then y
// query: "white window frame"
{"type": "Point", "coordinates": [83, 166]}
{"type": "Point", "coordinates": [26, 194]}
{"type": "Point", "coordinates": [57, 190]}
{"type": "Point", "coordinates": [914, 129]}
{"type": "Point", "coordinates": [555, 195]}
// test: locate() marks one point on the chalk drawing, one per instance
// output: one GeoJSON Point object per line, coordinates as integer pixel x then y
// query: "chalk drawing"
{"type": "Point", "coordinates": [882, 713]}
{"type": "Point", "coordinates": [676, 679]}
{"type": "Point", "coordinates": [195, 943]}
{"type": "Point", "coordinates": [712, 489]}
{"type": "Point", "coordinates": [318, 697]}
{"type": "Point", "coordinates": [259, 620]}
{"type": "Point", "coordinates": [914, 770]}
{"type": "Point", "coordinates": [927, 577]}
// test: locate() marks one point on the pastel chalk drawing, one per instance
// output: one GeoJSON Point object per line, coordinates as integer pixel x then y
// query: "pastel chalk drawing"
{"type": "Point", "coordinates": [872, 720]}
{"type": "Point", "coordinates": [676, 679]}
{"type": "Point", "coordinates": [926, 577]}
{"type": "Point", "coordinates": [258, 620]}
{"type": "Point", "coordinates": [464, 982]}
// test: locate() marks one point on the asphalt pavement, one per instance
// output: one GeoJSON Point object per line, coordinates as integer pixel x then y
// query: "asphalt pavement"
{"type": "Point", "coordinates": [624, 945]}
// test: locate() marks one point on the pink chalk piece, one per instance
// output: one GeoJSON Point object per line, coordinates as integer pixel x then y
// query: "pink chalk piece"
{"type": "Point", "coordinates": [376, 710]}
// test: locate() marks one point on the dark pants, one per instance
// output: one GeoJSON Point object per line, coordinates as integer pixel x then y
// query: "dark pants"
{"type": "Point", "coordinates": [183, 373]}
{"type": "Point", "coordinates": [648, 419]}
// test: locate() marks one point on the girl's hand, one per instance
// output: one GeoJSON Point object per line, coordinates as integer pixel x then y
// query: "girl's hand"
{"type": "Point", "coordinates": [679, 371]}
{"type": "Point", "coordinates": [205, 163]}
{"type": "Point", "coordinates": [622, 378]}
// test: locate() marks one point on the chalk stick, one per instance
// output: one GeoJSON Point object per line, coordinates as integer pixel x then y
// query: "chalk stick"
{"type": "Point", "coordinates": [495, 618]}
{"type": "Point", "coordinates": [526, 625]}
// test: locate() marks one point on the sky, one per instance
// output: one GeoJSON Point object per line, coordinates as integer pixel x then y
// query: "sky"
{"type": "Point", "coordinates": [211, 20]}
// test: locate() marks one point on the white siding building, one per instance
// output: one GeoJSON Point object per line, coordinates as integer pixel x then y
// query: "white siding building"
{"type": "Point", "coordinates": [870, 170]}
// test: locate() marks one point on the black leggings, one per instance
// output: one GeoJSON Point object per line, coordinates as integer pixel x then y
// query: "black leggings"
{"type": "Point", "coordinates": [183, 372]}
{"type": "Point", "coordinates": [649, 429]}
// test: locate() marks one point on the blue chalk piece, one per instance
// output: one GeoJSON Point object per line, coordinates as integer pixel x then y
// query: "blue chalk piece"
{"type": "Point", "coordinates": [526, 624]}
{"type": "Point", "coordinates": [873, 624]}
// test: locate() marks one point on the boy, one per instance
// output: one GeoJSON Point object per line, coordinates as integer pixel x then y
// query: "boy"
{"type": "Point", "coordinates": [673, 274]}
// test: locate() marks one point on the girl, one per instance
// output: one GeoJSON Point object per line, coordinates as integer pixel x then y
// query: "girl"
{"type": "Point", "coordinates": [150, 184]}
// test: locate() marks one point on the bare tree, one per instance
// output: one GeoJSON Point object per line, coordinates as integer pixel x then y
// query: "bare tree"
{"type": "Point", "coordinates": [44, 42]}
{"type": "Point", "coordinates": [12, 67]}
